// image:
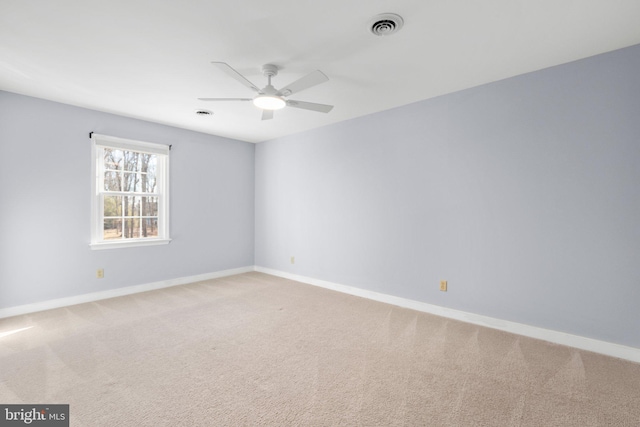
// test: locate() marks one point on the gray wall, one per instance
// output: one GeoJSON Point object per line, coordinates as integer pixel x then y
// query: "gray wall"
{"type": "Point", "coordinates": [524, 194]}
{"type": "Point", "coordinates": [45, 204]}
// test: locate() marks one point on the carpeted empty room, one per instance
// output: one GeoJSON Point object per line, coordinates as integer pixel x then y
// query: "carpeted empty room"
{"type": "Point", "coordinates": [255, 349]}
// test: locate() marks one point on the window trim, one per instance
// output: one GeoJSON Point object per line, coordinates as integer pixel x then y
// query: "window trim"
{"type": "Point", "coordinates": [97, 210]}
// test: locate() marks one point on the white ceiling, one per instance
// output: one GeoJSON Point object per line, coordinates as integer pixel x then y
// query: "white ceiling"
{"type": "Point", "coordinates": [151, 59]}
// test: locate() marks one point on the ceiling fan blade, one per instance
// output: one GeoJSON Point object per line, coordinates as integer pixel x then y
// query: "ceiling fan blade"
{"type": "Point", "coordinates": [303, 83]}
{"type": "Point", "coordinates": [267, 114]}
{"type": "Point", "coordinates": [321, 108]}
{"type": "Point", "coordinates": [236, 75]}
{"type": "Point", "coordinates": [225, 99]}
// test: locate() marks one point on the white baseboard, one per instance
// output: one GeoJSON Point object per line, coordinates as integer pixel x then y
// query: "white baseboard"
{"type": "Point", "coordinates": [96, 296]}
{"type": "Point", "coordinates": [575, 341]}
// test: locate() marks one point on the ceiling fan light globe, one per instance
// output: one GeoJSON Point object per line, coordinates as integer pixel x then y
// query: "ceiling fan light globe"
{"type": "Point", "coordinates": [267, 102]}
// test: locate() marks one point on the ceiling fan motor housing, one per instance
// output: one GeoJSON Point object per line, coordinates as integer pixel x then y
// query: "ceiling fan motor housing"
{"type": "Point", "coordinates": [269, 70]}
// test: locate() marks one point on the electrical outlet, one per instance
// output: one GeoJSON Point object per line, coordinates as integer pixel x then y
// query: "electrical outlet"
{"type": "Point", "coordinates": [293, 260]}
{"type": "Point", "coordinates": [443, 285]}
{"type": "Point", "coordinates": [100, 273]}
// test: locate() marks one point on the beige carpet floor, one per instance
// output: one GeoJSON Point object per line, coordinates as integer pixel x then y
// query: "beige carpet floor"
{"type": "Point", "coordinates": [254, 349]}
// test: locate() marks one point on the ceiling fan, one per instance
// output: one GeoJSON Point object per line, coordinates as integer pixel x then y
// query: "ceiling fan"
{"type": "Point", "coordinates": [269, 98]}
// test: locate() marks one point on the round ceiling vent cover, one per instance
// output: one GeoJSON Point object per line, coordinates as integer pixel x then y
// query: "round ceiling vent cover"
{"type": "Point", "coordinates": [385, 24]}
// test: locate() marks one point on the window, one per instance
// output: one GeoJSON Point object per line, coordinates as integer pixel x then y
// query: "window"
{"type": "Point", "coordinates": [130, 193]}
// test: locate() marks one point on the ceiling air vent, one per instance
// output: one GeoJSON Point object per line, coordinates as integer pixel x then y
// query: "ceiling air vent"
{"type": "Point", "coordinates": [385, 24]}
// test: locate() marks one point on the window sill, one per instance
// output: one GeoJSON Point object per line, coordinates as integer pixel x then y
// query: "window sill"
{"type": "Point", "coordinates": [128, 243]}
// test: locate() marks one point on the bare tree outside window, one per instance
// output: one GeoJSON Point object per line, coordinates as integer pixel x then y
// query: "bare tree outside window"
{"type": "Point", "coordinates": [130, 194]}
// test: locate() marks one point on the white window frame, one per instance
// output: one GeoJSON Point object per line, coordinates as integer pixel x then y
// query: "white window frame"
{"type": "Point", "coordinates": [98, 143]}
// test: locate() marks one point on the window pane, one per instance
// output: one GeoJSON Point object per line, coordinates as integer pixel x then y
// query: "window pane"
{"type": "Point", "coordinates": [132, 181]}
{"type": "Point", "coordinates": [148, 162]}
{"type": "Point", "coordinates": [149, 206]}
{"type": "Point", "coordinates": [113, 206]}
{"type": "Point", "coordinates": [112, 181]}
{"type": "Point", "coordinates": [113, 159]}
{"type": "Point", "coordinates": [148, 183]}
{"type": "Point", "coordinates": [132, 228]}
{"type": "Point", "coordinates": [131, 161]}
{"type": "Point", "coordinates": [138, 183]}
{"type": "Point", "coordinates": [148, 168]}
{"type": "Point", "coordinates": [131, 205]}
{"type": "Point", "coordinates": [112, 229]}
{"type": "Point", "coordinates": [149, 227]}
